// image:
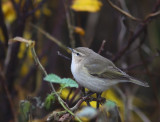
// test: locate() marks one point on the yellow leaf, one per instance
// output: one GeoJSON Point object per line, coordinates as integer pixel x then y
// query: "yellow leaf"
{"type": "Point", "coordinates": [46, 11]}
{"type": "Point", "coordinates": [9, 12]}
{"type": "Point", "coordinates": [21, 50]}
{"type": "Point", "coordinates": [111, 95]}
{"type": "Point", "coordinates": [79, 31]}
{"type": "Point", "coordinates": [86, 5]}
{"type": "Point", "coordinates": [38, 13]}
{"type": "Point", "coordinates": [65, 93]}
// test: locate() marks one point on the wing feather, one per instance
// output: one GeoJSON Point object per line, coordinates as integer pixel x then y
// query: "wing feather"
{"type": "Point", "coordinates": [106, 70]}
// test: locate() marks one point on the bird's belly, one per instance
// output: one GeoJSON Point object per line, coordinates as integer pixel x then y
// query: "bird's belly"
{"type": "Point", "coordinates": [91, 83]}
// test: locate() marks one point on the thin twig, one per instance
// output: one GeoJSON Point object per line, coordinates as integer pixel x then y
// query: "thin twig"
{"type": "Point", "coordinates": [102, 47]}
{"type": "Point", "coordinates": [136, 34]}
{"type": "Point", "coordinates": [3, 80]}
{"type": "Point", "coordinates": [140, 114]}
{"type": "Point", "coordinates": [60, 54]}
{"type": "Point", "coordinates": [152, 15]}
{"type": "Point", "coordinates": [74, 108]}
{"type": "Point", "coordinates": [130, 41]}
{"type": "Point", "coordinates": [74, 96]}
{"type": "Point", "coordinates": [40, 65]}
{"type": "Point", "coordinates": [51, 38]}
{"type": "Point", "coordinates": [70, 26]}
{"type": "Point", "coordinates": [123, 12]}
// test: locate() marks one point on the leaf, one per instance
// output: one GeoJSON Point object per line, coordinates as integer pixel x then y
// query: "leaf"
{"type": "Point", "coordinates": [110, 105]}
{"type": "Point", "coordinates": [79, 31]}
{"type": "Point", "coordinates": [49, 100]}
{"type": "Point", "coordinates": [9, 11]}
{"type": "Point", "coordinates": [86, 5]}
{"type": "Point", "coordinates": [25, 107]}
{"type": "Point", "coordinates": [88, 112]}
{"type": "Point", "coordinates": [67, 82]}
{"type": "Point", "coordinates": [111, 108]}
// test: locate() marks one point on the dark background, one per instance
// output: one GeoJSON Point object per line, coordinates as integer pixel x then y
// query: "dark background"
{"type": "Point", "coordinates": [134, 46]}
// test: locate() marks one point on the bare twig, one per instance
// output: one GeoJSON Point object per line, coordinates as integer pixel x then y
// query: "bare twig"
{"type": "Point", "coordinates": [69, 23]}
{"type": "Point", "coordinates": [102, 47]}
{"type": "Point", "coordinates": [123, 12]}
{"type": "Point", "coordinates": [74, 108]}
{"type": "Point", "coordinates": [60, 54]}
{"type": "Point", "coordinates": [152, 15]}
{"type": "Point", "coordinates": [91, 24]}
{"type": "Point", "coordinates": [137, 32]}
{"type": "Point", "coordinates": [51, 38]}
{"type": "Point", "coordinates": [3, 80]}
{"type": "Point", "coordinates": [74, 96]}
{"type": "Point", "coordinates": [140, 114]}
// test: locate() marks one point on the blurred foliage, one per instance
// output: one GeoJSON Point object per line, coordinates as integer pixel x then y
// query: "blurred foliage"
{"type": "Point", "coordinates": [25, 107]}
{"type": "Point", "coordinates": [49, 100]}
{"type": "Point", "coordinates": [132, 44]}
{"type": "Point", "coordinates": [86, 5]}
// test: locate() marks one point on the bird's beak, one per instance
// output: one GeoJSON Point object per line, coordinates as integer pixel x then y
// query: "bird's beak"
{"type": "Point", "coordinates": [70, 49]}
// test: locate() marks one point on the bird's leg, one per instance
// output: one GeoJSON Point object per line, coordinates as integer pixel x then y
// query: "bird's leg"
{"type": "Point", "coordinates": [87, 95]}
{"type": "Point", "coordinates": [83, 91]}
{"type": "Point", "coordinates": [98, 99]}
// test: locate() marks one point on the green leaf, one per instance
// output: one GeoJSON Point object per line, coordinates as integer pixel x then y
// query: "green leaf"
{"type": "Point", "coordinates": [53, 78]}
{"type": "Point", "coordinates": [113, 111]}
{"type": "Point", "coordinates": [67, 82]}
{"type": "Point", "coordinates": [110, 105]}
{"type": "Point", "coordinates": [49, 100]}
{"type": "Point", "coordinates": [25, 107]}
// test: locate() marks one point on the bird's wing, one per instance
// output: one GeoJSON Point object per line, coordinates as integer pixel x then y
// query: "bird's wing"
{"type": "Point", "coordinates": [105, 70]}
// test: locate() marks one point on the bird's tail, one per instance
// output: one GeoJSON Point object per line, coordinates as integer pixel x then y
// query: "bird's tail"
{"type": "Point", "coordinates": [145, 84]}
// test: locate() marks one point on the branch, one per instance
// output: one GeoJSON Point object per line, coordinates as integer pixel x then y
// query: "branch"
{"type": "Point", "coordinates": [3, 80]}
{"type": "Point", "coordinates": [152, 15]}
{"type": "Point", "coordinates": [60, 54]}
{"type": "Point", "coordinates": [31, 44]}
{"type": "Point", "coordinates": [138, 31]}
{"type": "Point", "coordinates": [70, 27]}
{"type": "Point", "coordinates": [51, 38]}
{"type": "Point", "coordinates": [102, 47]}
{"type": "Point", "coordinates": [123, 12]}
{"type": "Point", "coordinates": [140, 114]}
{"type": "Point", "coordinates": [136, 34]}
{"type": "Point", "coordinates": [74, 108]}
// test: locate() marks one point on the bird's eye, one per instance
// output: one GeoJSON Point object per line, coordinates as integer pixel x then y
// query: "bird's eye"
{"type": "Point", "coordinates": [77, 54]}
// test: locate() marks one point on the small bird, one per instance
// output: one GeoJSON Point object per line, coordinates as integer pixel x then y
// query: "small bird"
{"type": "Point", "coordinates": [97, 73]}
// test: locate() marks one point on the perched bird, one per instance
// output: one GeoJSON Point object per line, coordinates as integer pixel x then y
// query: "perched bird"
{"type": "Point", "coordinates": [97, 73]}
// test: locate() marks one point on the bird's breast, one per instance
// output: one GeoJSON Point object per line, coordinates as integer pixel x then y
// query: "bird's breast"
{"type": "Point", "coordinates": [83, 79]}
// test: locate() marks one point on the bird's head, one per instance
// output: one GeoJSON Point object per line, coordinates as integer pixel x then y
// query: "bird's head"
{"type": "Point", "coordinates": [80, 53]}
